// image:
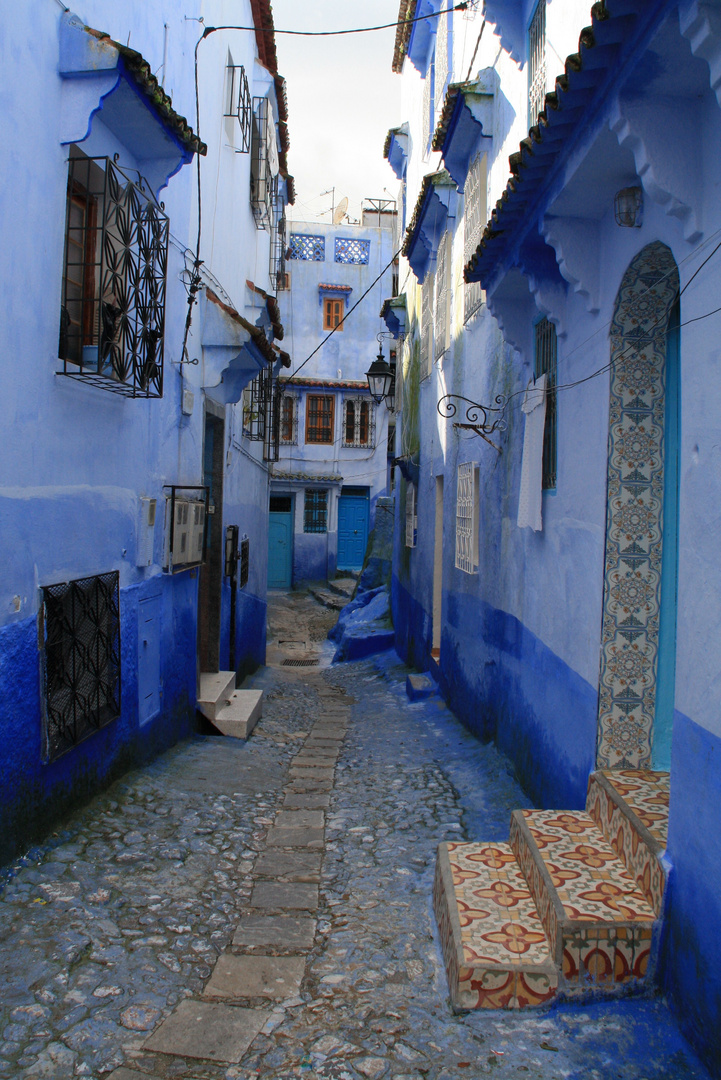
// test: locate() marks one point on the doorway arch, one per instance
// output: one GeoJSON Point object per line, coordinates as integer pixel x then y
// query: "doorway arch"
{"type": "Point", "coordinates": [635, 572]}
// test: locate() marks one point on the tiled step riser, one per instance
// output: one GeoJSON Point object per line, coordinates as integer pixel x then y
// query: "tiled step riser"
{"type": "Point", "coordinates": [540, 888]}
{"type": "Point", "coordinates": [629, 839]}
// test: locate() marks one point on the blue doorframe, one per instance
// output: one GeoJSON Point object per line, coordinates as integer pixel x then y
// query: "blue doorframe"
{"type": "Point", "coordinates": [280, 542]}
{"type": "Point", "coordinates": [353, 515]}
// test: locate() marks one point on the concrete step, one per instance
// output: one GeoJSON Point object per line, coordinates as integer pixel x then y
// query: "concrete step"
{"type": "Point", "coordinates": [494, 946]}
{"type": "Point", "coordinates": [344, 586]}
{"type": "Point", "coordinates": [420, 687]}
{"type": "Point", "coordinates": [630, 807]}
{"type": "Point", "coordinates": [329, 599]}
{"type": "Point", "coordinates": [216, 688]}
{"type": "Point", "coordinates": [241, 714]}
{"type": "Point", "coordinates": [598, 923]}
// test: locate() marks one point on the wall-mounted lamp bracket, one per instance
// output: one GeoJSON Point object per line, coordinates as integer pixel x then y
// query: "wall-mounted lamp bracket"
{"type": "Point", "coordinates": [481, 419]}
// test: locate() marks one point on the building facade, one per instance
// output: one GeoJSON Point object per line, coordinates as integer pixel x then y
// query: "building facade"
{"type": "Point", "coordinates": [333, 438]}
{"type": "Point", "coordinates": [139, 252]}
{"type": "Point", "coordinates": [554, 555]}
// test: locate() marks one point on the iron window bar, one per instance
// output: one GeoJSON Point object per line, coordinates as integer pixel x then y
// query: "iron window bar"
{"type": "Point", "coordinates": [271, 441]}
{"type": "Point", "coordinates": [537, 63]}
{"type": "Point", "coordinates": [320, 410]}
{"type": "Point", "coordinates": [261, 181]}
{"type": "Point", "coordinates": [79, 633]}
{"type": "Point", "coordinates": [179, 523]}
{"type": "Point", "coordinates": [112, 316]}
{"type": "Point", "coordinates": [545, 358]}
{"type": "Point", "coordinates": [289, 420]}
{"type": "Point", "coordinates": [256, 405]}
{"type": "Point", "coordinates": [276, 266]}
{"type": "Point", "coordinates": [359, 423]}
{"type": "Point", "coordinates": [315, 511]}
{"type": "Point", "coordinates": [239, 104]}
{"type": "Point", "coordinates": [473, 224]}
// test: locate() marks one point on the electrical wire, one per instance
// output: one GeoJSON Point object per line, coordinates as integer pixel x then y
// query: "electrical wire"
{"type": "Point", "coordinates": [462, 6]}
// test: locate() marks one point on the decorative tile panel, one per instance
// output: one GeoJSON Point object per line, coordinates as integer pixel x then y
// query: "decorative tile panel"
{"type": "Point", "coordinates": [350, 250]}
{"type": "Point", "coordinates": [632, 581]}
{"type": "Point", "coordinates": [309, 248]}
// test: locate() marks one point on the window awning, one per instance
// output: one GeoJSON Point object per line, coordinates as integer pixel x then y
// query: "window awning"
{"type": "Point", "coordinates": [436, 203]}
{"type": "Point", "coordinates": [101, 75]}
{"type": "Point", "coordinates": [422, 34]}
{"type": "Point", "coordinates": [233, 351]}
{"type": "Point", "coordinates": [466, 121]}
{"type": "Point", "coordinates": [393, 314]}
{"type": "Point", "coordinates": [395, 150]}
{"type": "Point", "coordinates": [338, 292]}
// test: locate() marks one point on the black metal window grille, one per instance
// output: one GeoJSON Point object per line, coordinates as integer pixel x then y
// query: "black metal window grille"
{"type": "Point", "coordinates": [319, 418]}
{"type": "Point", "coordinates": [537, 63]}
{"type": "Point", "coordinates": [112, 315]}
{"type": "Point", "coordinates": [281, 504]}
{"type": "Point", "coordinates": [545, 363]}
{"type": "Point", "coordinates": [359, 423]}
{"type": "Point", "coordinates": [309, 248]}
{"type": "Point", "coordinates": [471, 9]}
{"type": "Point", "coordinates": [276, 266]}
{"type": "Point", "coordinates": [261, 173]}
{"type": "Point", "coordinates": [289, 420]}
{"type": "Point", "coordinates": [239, 104]}
{"type": "Point", "coordinates": [257, 404]}
{"type": "Point", "coordinates": [271, 441]}
{"type": "Point", "coordinates": [474, 220]}
{"type": "Point", "coordinates": [315, 511]}
{"type": "Point", "coordinates": [244, 562]}
{"type": "Point", "coordinates": [350, 250]}
{"type": "Point", "coordinates": [81, 660]}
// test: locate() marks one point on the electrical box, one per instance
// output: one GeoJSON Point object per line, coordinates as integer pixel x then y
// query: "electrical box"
{"type": "Point", "coordinates": [145, 531]}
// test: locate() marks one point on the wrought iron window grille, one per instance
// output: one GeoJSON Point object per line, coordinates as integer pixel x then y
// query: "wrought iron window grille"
{"type": "Point", "coordinates": [112, 315]}
{"type": "Point", "coordinates": [428, 111]}
{"type": "Point", "coordinates": [411, 517]}
{"type": "Point", "coordinates": [261, 178]}
{"type": "Point", "coordinates": [289, 420]}
{"type": "Point", "coordinates": [545, 357]}
{"type": "Point", "coordinates": [359, 423]}
{"type": "Point", "coordinates": [79, 634]}
{"type": "Point", "coordinates": [351, 250]}
{"type": "Point", "coordinates": [256, 405]}
{"type": "Point", "coordinates": [427, 290]}
{"type": "Point", "coordinates": [186, 526]}
{"type": "Point", "coordinates": [276, 266]}
{"type": "Point", "coordinates": [440, 75]}
{"type": "Point", "coordinates": [271, 442]}
{"type": "Point", "coordinates": [474, 220]}
{"type": "Point", "coordinates": [308, 248]}
{"type": "Point", "coordinates": [467, 509]}
{"type": "Point", "coordinates": [239, 104]}
{"type": "Point", "coordinates": [320, 410]}
{"type": "Point", "coordinates": [315, 511]}
{"type": "Point", "coordinates": [442, 335]}
{"type": "Point", "coordinates": [537, 63]}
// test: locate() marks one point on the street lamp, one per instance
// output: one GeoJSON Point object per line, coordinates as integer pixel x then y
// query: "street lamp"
{"type": "Point", "coordinates": [380, 378]}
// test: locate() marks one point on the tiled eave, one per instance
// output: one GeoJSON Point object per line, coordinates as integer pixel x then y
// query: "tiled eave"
{"type": "Point", "coordinates": [466, 120]}
{"type": "Point", "coordinates": [428, 220]}
{"type": "Point", "coordinates": [393, 313]}
{"type": "Point", "coordinates": [406, 14]}
{"type": "Point", "coordinates": [395, 149]}
{"type": "Point", "coordinates": [260, 341]}
{"type": "Point", "coordinates": [327, 384]}
{"type": "Point", "coordinates": [271, 306]}
{"type": "Point", "coordinates": [280, 476]}
{"type": "Point", "coordinates": [591, 78]}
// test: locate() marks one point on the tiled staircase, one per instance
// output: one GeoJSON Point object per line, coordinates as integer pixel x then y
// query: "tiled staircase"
{"type": "Point", "coordinates": [572, 904]}
{"type": "Point", "coordinates": [233, 712]}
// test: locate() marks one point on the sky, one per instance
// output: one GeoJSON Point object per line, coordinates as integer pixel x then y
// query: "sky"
{"type": "Point", "coordinates": [342, 99]}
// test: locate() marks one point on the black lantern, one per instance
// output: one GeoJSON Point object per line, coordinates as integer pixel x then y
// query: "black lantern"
{"type": "Point", "coordinates": [391, 397]}
{"type": "Point", "coordinates": [380, 378]}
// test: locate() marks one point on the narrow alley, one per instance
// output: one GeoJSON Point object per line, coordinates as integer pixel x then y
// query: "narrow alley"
{"type": "Point", "coordinates": [262, 908]}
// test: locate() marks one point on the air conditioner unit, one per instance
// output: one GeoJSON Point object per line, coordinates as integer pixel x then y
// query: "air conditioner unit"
{"type": "Point", "coordinates": [184, 533]}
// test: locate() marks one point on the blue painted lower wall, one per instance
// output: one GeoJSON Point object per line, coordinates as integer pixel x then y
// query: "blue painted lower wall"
{"type": "Point", "coordinates": [250, 631]}
{"type": "Point", "coordinates": [690, 969]}
{"type": "Point", "coordinates": [312, 560]}
{"type": "Point", "coordinates": [503, 683]}
{"type": "Point", "coordinates": [35, 794]}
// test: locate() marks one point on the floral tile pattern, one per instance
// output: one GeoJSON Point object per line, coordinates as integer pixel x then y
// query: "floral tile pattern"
{"type": "Point", "coordinates": [588, 885]}
{"type": "Point", "coordinates": [630, 806]}
{"type": "Point", "coordinates": [632, 576]}
{"type": "Point", "coordinates": [498, 956]}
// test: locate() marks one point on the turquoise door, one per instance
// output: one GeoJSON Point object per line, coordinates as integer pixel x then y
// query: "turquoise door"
{"type": "Point", "coordinates": [352, 531]}
{"type": "Point", "coordinates": [280, 543]}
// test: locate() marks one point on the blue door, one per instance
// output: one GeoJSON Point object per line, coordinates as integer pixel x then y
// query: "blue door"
{"type": "Point", "coordinates": [280, 543]}
{"type": "Point", "coordinates": [352, 531]}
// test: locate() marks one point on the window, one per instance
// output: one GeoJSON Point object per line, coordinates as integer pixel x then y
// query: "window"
{"type": "Point", "coordinates": [276, 264]}
{"type": "Point", "coordinates": [537, 63]}
{"type": "Point", "coordinates": [289, 420]}
{"type": "Point", "coordinates": [319, 410]}
{"type": "Point", "coordinates": [442, 329]}
{"type": "Point", "coordinates": [474, 220]}
{"type": "Point", "coordinates": [315, 511]}
{"type": "Point", "coordinates": [427, 326]}
{"type": "Point", "coordinates": [428, 124]}
{"type": "Point", "coordinates": [545, 362]}
{"type": "Point", "coordinates": [238, 104]}
{"type": "Point", "coordinates": [310, 248]}
{"type": "Point", "coordinates": [333, 313]}
{"type": "Point", "coordinates": [441, 72]}
{"type": "Point", "coordinates": [263, 163]}
{"type": "Point", "coordinates": [352, 251]}
{"type": "Point", "coordinates": [81, 660]}
{"type": "Point", "coordinates": [467, 513]}
{"type": "Point", "coordinates": [112, 315]}
{"type": "Point", "coordinates": [411, 517]}
{"type": "Point", "coordinates": [257, 405]}
{"type": "Point", "coordinates": [358, 422]}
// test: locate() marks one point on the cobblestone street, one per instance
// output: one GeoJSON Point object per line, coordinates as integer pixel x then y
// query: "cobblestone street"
{"type": "Point", "coordinates": [263, 909]}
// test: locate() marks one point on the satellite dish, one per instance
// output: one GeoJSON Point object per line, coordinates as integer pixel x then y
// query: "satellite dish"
{"type": "Point", "coordinates": [339, 212]}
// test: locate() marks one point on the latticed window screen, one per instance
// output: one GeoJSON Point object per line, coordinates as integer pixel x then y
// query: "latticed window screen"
{"type": "Point", "coordinates": [358, 422]}
{"type": "Point", "coordinates": [428, 85]}
{"type": "Point", "coordinates": [474, 220]}
{"type": "Point", "coordinates": [442, 335]}
{"type": "Point", "coordinates": [467, 509]}
{"type": "Point", "coordinates": [441, 59]}
{"type": "Point", "coordinates": [545, 362]}
{"type": "Point", "coordinates": [112, 315]}
{"type": "Point", "coordinates": [239, 104]}
{"type": "Point", "coordinates": [411, 518]}
{"type": "Point", "coordinates": [315, 511]}
{"type": "Point", "coordinates": [289, 420]}
{"type": "Point", "coordinates": [319, 418]}
{"type": "Point", "coordinates": [310, 248]}
{"type": "Point", "coordinates": [427, 325]}
{"type": "Point", "coordinates": [350, 250]}
{"type": "Point", "coordinates": [81, 660]}
{"type": "Point", "coordinates": [537, 62]}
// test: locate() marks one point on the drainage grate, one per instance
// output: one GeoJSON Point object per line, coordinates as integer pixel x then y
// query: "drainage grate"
{"type": "Point", "coordinates": [300, 663]}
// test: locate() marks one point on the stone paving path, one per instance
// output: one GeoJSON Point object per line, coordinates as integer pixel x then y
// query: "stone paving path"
{"type": "Point", "coordinates": [262, 911]}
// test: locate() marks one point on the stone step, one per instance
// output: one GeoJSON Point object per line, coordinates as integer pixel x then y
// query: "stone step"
{"type": "Point", "coordinates": [494, 947]}
{"type": "Point", "coordinates": [598, 923]}
{"type": "Point", "coordinates": [630, 807]}
{"type": "Point", "coordinates": [240, 715]}
{"type": "Point", "coordinates": [344, 586]}
{"type": "Point", "coordinates": [329, 599]}
{"type": "Point", "coordinates": [216, 688]}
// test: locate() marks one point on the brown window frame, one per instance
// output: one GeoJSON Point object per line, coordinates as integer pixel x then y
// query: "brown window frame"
{"type": "Point", "coordinates": [333, 307]}
{"type": "Point", "coordinates": [317, 426]}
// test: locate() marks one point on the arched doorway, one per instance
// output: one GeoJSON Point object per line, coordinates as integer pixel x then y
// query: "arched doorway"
{"type": "Point", "coordinates": [639, 604]}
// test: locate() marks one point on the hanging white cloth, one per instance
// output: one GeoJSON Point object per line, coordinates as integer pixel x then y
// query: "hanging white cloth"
{"type": "Point", "coordinates": [530, 497]}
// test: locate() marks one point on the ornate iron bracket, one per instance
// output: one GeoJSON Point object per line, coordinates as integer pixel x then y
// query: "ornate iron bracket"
{"type": "Point", "coordinates": [478, 417]}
